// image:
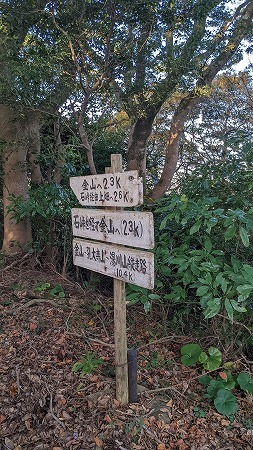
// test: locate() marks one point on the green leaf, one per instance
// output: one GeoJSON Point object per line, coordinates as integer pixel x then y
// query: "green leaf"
{"type": "Point", "coordinates": [245, 290]}
{"type": "Point", "coordinates": [230, 232]}
{"type": "Point", "coordinates": [204, 380]}
{"type": "Point", "coordinates": [195, 228]}
{"type": "Point", "coordinates": [208, 244]}
{"type": "Point", "coordinates": [202, 290]}
{"type": "Point", "coordinates": [244, 236]}
{"type": "Point", "coordinates": [245, 382]}
{"type": "Point", "coordinates": [213, 307]}
{"type": "Point", "coordinates": [229, 309]}
{"type": "Point", "coordinates": [213, 361]}
{"type": "Point", "coordinates": [226, 403]}
{"type": "Point", "coordinates": [154, 296]}
{"type": "Point", "coordinates": [238, 308]}
{"type": "Point", "coordinates": [77, 366]}
{"type": "Point", "coordinates": [163, 223]}
{"type": "Point", "coordinates": [190, 354]}
{"type": "Point", "coordinates": [147, 307]}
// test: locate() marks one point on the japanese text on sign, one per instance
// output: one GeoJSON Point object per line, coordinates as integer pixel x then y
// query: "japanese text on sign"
{"type": "Point", "coordinates": [133, 266]}
{"type": "Point", "coordinates": [118, 189]}
{"type": "Point", "coordinates": [127, 228]}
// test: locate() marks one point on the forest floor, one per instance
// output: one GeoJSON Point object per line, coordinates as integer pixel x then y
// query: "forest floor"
{"type": "Point", "coordinates": [45, 405]}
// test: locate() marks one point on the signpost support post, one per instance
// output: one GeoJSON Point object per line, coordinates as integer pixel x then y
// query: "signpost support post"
{"type": "Point", "coordinates": [120, 334]}
{"type": "Point", "coordinates": [113, 191]}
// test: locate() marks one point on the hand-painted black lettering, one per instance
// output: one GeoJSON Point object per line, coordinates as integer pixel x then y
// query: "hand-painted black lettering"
{"type": "Point", "coordinates": [125, 227]}
{"type": "Point", "coordinates": [117, 180]}
{"type": "Point", "coordinates": [105, 183]}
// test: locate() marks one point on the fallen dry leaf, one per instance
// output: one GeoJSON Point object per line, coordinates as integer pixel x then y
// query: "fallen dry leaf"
{"type": "Point", "coordinates": [161, 447]}
{"type": "Point", "coordinates": [13, 390]}
{"type": "Point", "coordinates": [98, 441]}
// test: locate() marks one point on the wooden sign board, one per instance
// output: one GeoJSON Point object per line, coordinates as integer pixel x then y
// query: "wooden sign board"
{"type": "Point", "coordinates": [129, 265]}
{"type": "Point", "coordinates": [113, 189]}
{"type": "Point", "coordinates": [132, 228]}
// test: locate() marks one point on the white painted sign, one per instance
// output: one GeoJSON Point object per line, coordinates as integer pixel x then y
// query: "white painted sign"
{"type": "Point", "coordinates": [132, 228]}
{"type": "Point", "coordinates": [129, 265]}
{"type": "Point", "coordinates": [112, 189]}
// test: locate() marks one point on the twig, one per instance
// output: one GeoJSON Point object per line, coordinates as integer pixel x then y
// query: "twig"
{"type": "Point", "coordinates": [168, 388]}
{"type": "Point", "coordinates": [34, 301]}
{"type": "Point", "coordinates": [67, 321]}
{"type": "Point", "coordinates": [119, 445]}
{"type": "Point", "coordinates": [152, 434]}
{"type": "Point", "coordinates": [52, 411]}
{"type": "Point", "coordinates": [237, 323]}
{"type": "Point", "coordinates": [17, 378]}
{"type": "Point", "coordinates": [83, 336]}
{"type": "Point", "coordinates": [17, 261]}
{"type": "Point", "coordinates": [167, 338]}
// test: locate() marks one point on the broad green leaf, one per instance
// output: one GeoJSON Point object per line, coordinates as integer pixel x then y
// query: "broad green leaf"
{"type": "Point", "coordinates": [236, 307]}
{"type": "Point", "coordinates": [154, 296]}
{"type": "Point", "coordinates": [230, 232]}
{"type": "Point", "coordinates": [245, 382]}
{"type": "Point", "coordinates": [208, 244]}
{"type": "Point", "coordinates": [204, 380]}
{"type": "Point", "coordinates": [220, 281]}
{"type": "Point", "coordinates": [213, 307]}
{"type": "Point", "coordinates": [244, 236]}
{"type": "Point", "coordinates": [226, 403]}
{"type": "Point", "coordinates": [213, 388]}
{"type": "Point", "coordinates": [163, 223]}
{"type": "Point", "coordinates": [190, 354]}
{"type": "Point", "coordinates": [244, 290]}
{"type": "Point", "coordinates": [211, 361]}
{"type": "Point", "coordinates": [248, 272]}
{"type": "Point", "coordinates": [146, 307]}
{"type": "Point", "coordinates": [195, 228]}
{"type": "Point", "coordinates": [202, 290]}
{"type": "Point", "coordinates": [229, 309]}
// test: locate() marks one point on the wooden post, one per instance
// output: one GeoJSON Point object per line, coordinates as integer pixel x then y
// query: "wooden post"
{"type": "Point", "coordinates": [120, 335]}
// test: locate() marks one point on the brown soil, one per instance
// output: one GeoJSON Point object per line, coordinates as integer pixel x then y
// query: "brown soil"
{"type": "Point", "coordinates": [45, 405]}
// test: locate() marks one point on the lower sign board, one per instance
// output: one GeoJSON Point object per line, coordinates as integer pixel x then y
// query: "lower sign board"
{"type": "Point", "coordinates": [129, 265]}
{"type": "Point", "coordinates": [132, 228]}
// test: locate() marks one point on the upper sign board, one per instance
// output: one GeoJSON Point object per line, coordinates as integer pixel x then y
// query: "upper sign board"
{"type": "Point", "coordinates": [126, 264]}
{"type": "Point", "coordinates": [132, 228]}
{"type": "Point", "coordinates": [113, 189]}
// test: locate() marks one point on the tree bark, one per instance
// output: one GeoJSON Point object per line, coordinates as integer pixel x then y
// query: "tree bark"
{"type": "Point", "coordinates": [16, 134]}
{"type": "Point", "coordinates": [59, 152]}
{"type": "Point", "coordinates": [34, 153]}
{"type": "Point", "coordinates": [172, 146]}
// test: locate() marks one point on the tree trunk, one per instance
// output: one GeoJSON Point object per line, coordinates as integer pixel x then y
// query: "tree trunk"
{"type": "Point", "coordinates": [137, 146]}
{"type": "Point", "coordinates": [59, 152]}
{"type": "Point", "coordinates": [16, 133]}
{"type": "Point", "coordinates": [172, 146]}
{"type": "Point", "coordinates": [34, 153]}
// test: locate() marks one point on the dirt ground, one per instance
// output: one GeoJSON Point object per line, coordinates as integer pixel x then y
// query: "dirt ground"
{"type": "Point", "coordinates": [45, 405]}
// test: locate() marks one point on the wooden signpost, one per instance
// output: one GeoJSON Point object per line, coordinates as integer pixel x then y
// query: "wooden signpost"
{"type": "Point", "coordinates": [114, 189]}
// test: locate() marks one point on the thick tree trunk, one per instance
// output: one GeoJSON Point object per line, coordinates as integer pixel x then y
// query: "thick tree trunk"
{"type": "Point", "coordinates": [59, 152]}
{"type": "Point", "coordinates": [172, 146]}
{"type": "Point", "coordinates": [16, 133]}
{"type": "Point", "coordinates": [34, 153]}
{"type": "Point", "coordinates": [137, 146]}
{"type": "Point", "coordinates": [16, 235]}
